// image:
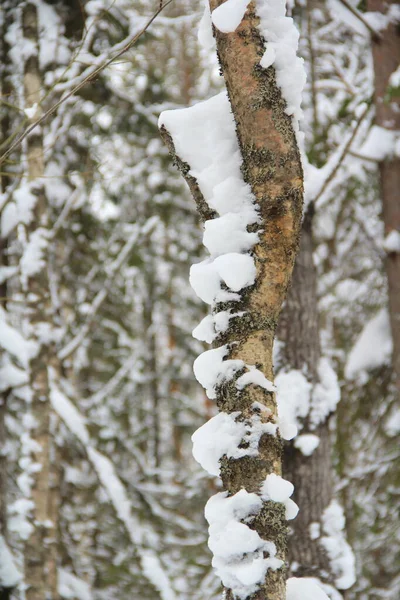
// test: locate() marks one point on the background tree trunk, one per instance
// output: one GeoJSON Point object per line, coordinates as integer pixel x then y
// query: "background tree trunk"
{"type": "Point", "coordinates": [386, 56]}
{"type": "Point", "coordinates": [41, 548]}
{"type": "Point", "coordinates": [311, 475]}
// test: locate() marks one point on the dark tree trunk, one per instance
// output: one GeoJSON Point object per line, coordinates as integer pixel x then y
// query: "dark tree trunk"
{"type": "Point", "coordinates": [386, 55]}
{"type": "Point", "coordinates": [311, 475]}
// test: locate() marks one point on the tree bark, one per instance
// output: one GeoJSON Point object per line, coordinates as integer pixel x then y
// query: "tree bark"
{"type": "Point", "coordinates": [41, 548]}
{"type": "Point", "coordinates": [311, 475]}
{"type": "Point", "coordinates": [386, 57]}
{"type": "Point", "coordinates": [272, 167]}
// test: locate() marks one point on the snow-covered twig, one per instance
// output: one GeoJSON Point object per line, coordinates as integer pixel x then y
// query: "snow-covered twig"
{"type": "Point", "coordinates": [359, 16]}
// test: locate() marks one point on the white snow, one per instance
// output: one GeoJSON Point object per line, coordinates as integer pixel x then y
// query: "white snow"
{"type": "Point", "coordinates": [238, 551]}
{"type": "Point", "coordinates": [154, 572]}
{"type": "Point", "coordinates": [204, 34]}
{"type": "Point", "coordinates": [307, 443]}
{"type": "Point", "coordinates": [222, 318]}
{"type": "Point", "coordinates": [223, 433]}
{"type": "Point", "coordinates": [205, 330]}
{"type": "Point", "coordinates": [380, 144]}
{"type": "Point", "coordinates": [32, 260]}
{"type": "Point", "coordinates": [277, 489]}
{"type": "Point", "coordinates": [31, 111]}
{"type": "Point", "coordinates": [20, 513]}
{"type": "Point", "coordinates": [334, 541]}
{"type": "Point", "coordinates": [13, 342]}
{"type": "Point", "coordinates": [282, 39]}
{"type": "Point", "coordinates": [293, 397]}
{"type": "Point", "coordinates": [391, 243]}
{"type": "Point", "coordinates": [67, 411]}
{"type": "Point", "coordinates": [205, 281]}
{"type": "Point", "coordinates": [9, 574]}
{"type": "Point", "coordinates": [19, 209]}
{"type": "Point", "coordinates": [254, 377]}
{"type": "Point", "coordinates": [326, 393]}
{"type": "Point", "coordinates": [392, 425]}
{"type": "Point", "coordinates": [7, 272]}
{"type": "Point", "coordinates": [115, 489]}
{"type": "Point", "coordinates": [53, 44]}
{"type": "Point", "coordinates": [291, 509]}
{"type": "Point", "coordinates": [380, 21]}
{"type": "Point", "coordinates": [220, 435]}
{"type": "Point", "coordinates": [298, 398]}
{"type": "Point", "coordinates": [304, 588]}
{"type": "Point", "coordinates": [394, 80]}
{"type": "Point", "coordinates": [315, 530]}
{"type": "Point", "coordinates": [373, 347]}
{"type": "Point", "coordinates": [236, 270]}
{"type": "Point", "coordinates": [229, 233]}
{"type": "Point", "coordinates": [11, 376]}
{"type": "Point", "coordinates": [204, 137]}
{"type": "Point", "coordinates": [208, 329]}
{"type": "Point", "coordinates": [72, 587]}
{"type": "Point", "coordinates": [228, 16]}
{"type": "Point", "coordinates": [110, 481]}
{"type": "Point", "coordinates": [211, 370]}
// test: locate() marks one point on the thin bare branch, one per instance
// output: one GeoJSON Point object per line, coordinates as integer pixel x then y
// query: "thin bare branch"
{"type": "Point", "coordinates": [375, 34]}
{"type": "Point", "coordinates": [80, 85]}
{"type": "Point", "coordinates": [342, 155]}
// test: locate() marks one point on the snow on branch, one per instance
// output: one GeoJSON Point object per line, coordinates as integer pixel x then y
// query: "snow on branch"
{"type": "Point", "coordinates": [113, 485]}
{"type": "Point", "coordinates": [103, 293]}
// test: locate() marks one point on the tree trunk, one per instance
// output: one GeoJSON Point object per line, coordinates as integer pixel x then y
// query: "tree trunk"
{"type": "Point", "coordinates": [41, 547]}
{"type": "Point", "coordinates": [271, 166]}
{"type": "Point", "coordinates": [311, 475]}
{"type": "Point", "coordinates": [386, 56]}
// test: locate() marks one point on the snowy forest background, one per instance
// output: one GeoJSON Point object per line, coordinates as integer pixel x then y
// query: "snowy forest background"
{"type": "Point", "coordinates": [98, 232]}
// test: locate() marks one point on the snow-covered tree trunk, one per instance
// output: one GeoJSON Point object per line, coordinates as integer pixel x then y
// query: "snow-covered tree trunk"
{"type": "Point", "coordinates": [386, 56]}
{"type": "Point", "coordinates": [41, 547]}
{"type": "Point", "coordinates": [248, 188]}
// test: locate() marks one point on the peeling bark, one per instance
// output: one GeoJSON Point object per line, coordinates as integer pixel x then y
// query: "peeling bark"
{"type": "Point", "coordinates": [386, 56]}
